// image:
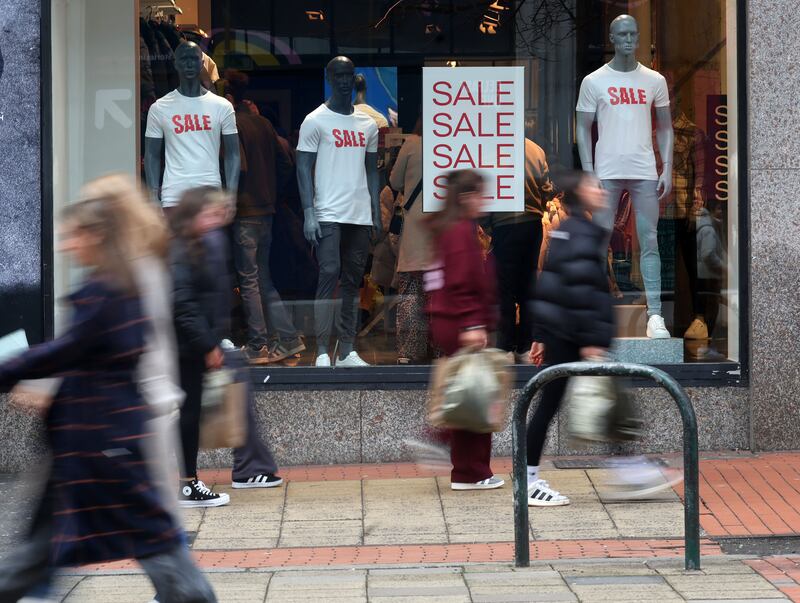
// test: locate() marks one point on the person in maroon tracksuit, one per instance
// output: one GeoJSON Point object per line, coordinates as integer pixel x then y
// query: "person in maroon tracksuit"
{"type": "Point", "coordinates": [462, 289]}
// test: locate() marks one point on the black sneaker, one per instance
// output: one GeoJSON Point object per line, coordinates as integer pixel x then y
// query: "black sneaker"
{"type": "Point", "coordinates": [196, 494]}
{"type": "Point", "coordinates": [281, 350]}
{"type": "Point", "coordinates": [262, 480]}
{"type": "Point", "coordinates": [256, 355]}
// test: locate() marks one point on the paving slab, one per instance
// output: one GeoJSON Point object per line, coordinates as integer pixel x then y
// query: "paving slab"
{"type": "Point", "coordinates": [323, 500]}
{"type": "Point", "coordinates": [403, 511]}
{"type": "Point", "coordinates": [725, 566]}
{"type": "Point", "coordinates": [119, 589]}
{"type": "Point", "coordinates": [613, 593]}
{"type": "Point", "coordinates": [344, 532]}
{"type": "Point", "coordinates": [653, 520]}
{"type": "Point", "coordinates": [605, 567]}
{"type": "Point", "coordinates": [735, 586]}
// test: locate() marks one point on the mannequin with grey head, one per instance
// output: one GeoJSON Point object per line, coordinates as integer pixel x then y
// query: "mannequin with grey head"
{"type": "Point", "coordinates": [189, 66]}
{"type": "Point", "coordinates": [622, 96]}
{"type": "Point", "coordinates": [337, 176]}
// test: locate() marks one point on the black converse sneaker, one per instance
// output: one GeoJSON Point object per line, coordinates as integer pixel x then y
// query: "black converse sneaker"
{"type": "Point", "coordinates": [262, 480]}
{"type": "Point", "coordinates": [195, 493]}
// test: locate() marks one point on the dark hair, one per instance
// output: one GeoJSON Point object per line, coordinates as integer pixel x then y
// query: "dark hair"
{"type": "Point", "coordinates": [459, 182]}
{"type": "Point", "coordinates": [567, 182]}
{"type": "Point", "coordinates": [182, 217]}
{"type": "Point", "coordinates": [360, 82]}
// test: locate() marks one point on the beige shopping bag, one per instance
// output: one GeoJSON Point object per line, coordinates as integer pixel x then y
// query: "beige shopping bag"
{"type": "Point", "coordinates": [223, 415]}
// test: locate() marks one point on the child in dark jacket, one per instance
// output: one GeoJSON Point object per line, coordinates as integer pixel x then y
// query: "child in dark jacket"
{"type": "Point", "coordinates": [461, 284]}
{"type": "Point", "coordinates": [572, 311]}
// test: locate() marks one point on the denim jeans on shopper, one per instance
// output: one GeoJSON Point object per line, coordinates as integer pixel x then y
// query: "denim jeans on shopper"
{"type": "Point", "coordinates": [252, 241]}
{"type": "Point", "coordinates": [644, 197]}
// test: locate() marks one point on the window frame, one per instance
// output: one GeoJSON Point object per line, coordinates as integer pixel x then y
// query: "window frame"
{"type": "Point", "coordinates": [395, 377]}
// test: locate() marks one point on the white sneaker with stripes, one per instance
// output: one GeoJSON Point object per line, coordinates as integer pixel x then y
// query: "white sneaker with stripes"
{"type": "Point", "coordinates": [262, 480]}
{"type": "Point", "coordinates": [540, 494]}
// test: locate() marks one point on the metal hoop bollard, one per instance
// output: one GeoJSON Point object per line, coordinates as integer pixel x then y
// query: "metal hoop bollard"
{"type": "Point", "coordinates": [606, 369]}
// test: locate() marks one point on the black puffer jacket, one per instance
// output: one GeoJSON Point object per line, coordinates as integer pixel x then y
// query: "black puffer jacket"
{"type": "Point", "coordinates": [572, 301]}
{"type": "Point", "coordinates": [195, 302]}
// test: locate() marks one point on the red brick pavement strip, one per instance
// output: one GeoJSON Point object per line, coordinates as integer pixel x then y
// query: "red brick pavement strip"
{"type": "Point", "coordinates": [782, 572]}
{"type": "Point", "coordinates": [499, 552]}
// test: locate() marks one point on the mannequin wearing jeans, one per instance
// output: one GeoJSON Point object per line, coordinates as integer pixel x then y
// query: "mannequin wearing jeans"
{"type": "Point", "coordinates": [620, 95]}
{"type": "Point", "coordinates": [341, 206]}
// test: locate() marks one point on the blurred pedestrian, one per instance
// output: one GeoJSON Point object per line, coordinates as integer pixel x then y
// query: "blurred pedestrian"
{"type": "Point", "coordinates": [462, 289]}
{"type": "Point", "coordinates": [199, 326]}
{"type": "Point", "coordinates": [202, 287]}
{"type": "Point", "coordinates": [100, 503]}
{"type": "Point", "coordinates": [147, 243]}
{"type": "Point", "coordinates": [573, 318]}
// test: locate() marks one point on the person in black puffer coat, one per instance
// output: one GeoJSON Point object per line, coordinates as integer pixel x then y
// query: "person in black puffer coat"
{"type": "Point", "coordinates": [572, 311]}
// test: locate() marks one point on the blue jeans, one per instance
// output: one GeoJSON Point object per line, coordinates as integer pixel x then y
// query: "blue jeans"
{"type": "Point", "coordinates": [644, 197]}
{"type": "Point", "coordinates": [252, 241]}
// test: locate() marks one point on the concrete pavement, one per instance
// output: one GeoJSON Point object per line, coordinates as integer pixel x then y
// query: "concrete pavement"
{"type": "Point", "coordinates": [398, 533]}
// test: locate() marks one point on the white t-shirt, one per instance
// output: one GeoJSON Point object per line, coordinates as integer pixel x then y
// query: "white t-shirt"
{"type": "Point", "coordinates": [623, 101]}
{"type": "Point", "coordinates": [191, 128]}
{"type": "Point", "coordinates": [341, 143]}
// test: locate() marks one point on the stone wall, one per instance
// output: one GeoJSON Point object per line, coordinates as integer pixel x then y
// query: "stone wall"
{"type": "Point", "coordinates": [774, 115]}
{"type": "Point", "coordinates": [20, 183]}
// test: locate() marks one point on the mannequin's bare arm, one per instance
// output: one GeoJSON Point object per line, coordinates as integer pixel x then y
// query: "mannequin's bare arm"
{"type": "Point", "coordinates": [305, 183]}
{"type": "Point", "coordinates": [152, 165]}
{"type": "Point", "coordinates": [373, 183]}
{"type": "Point", "coordinates": [230, 142]}
{"type": "Point", "coordinates": [666, 142]}
{"type": "Point", "coordinates": [583, 133]}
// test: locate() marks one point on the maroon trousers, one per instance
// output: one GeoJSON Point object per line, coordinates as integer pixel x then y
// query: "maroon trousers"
{"type": "Point", "coordinates": [470, 452]}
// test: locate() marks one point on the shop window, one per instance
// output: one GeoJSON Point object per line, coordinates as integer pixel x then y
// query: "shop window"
{"type": "Point", "coordinates": [269, 58]}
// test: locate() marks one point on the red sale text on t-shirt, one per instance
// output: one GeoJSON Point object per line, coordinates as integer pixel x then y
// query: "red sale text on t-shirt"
{"type": "Point", "coordinates": [627, 96]}
{"type": "Point", "coordinates": [349, 138]}
{"type": "Point", "coordinates": [191, 123]}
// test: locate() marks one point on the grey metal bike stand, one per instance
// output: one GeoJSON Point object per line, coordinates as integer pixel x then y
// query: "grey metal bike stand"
{"type": "Point", "coordinates": [605, 369]}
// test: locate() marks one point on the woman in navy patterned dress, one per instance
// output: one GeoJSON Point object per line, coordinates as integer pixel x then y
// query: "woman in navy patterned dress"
{"type": "Point", "coordinates": [100, 504]}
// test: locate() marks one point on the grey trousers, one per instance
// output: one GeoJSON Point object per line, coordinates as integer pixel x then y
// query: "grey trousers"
{"type": "Point", "coordinates": [342, 256]}
{"type": "Point", "coordinates": [255, 457]}
{"type": "Point", "coordinates": [644, 197]}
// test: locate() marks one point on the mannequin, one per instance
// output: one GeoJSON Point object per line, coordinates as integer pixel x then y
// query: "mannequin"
{"type": "Point", "coordinates": [360, 102]}
{"type": "Point", "coordinates": [191, 121]}
{"type": "Point", "coordinates": [621, 95]}
{"type": "Point", "coordinates": [341, 205]}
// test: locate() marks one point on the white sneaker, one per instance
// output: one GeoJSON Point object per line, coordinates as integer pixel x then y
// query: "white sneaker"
{"type": "Point", "coordinates": [352, 360]}
{"type": "Point", "coordinates": [323, 360]}
{"type": "Point", "coordinates": [540, 494]}
{"type": "Point", "coordinates": [489, 483]}
{"type": "Point", "coordinates": [656, 329]}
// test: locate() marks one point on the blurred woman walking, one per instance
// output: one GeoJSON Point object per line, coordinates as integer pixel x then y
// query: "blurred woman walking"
{"type": "Point", "coordinates": [100, 503]}
{"type": "Point", "coordinates": [461, 285]}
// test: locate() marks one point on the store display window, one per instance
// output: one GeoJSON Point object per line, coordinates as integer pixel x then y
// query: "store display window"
{"type": "Point", "coordinates": [330, 244]}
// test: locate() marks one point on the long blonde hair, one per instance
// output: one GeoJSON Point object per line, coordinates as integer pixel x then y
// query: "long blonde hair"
{"type": "Point", "coordinates": [111, 261]}
{"type": "Point", "coordinates": [142, 228]}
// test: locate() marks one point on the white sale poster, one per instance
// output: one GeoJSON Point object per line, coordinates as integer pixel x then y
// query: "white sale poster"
{"type": "Point", "coordinates": [473, 119]}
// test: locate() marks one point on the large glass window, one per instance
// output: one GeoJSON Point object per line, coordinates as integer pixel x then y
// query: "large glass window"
{"type": "Point", "coordinates": [677, 256]}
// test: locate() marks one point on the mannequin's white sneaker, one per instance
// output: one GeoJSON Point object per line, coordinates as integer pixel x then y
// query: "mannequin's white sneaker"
{"type": "Point", "coordinates": [697, 330]}
{"type": "Point", "coordinates": [656, 329]}
{"type": "Point", "coordinates": [323, 360]}
{"type": "Point", "coordinates": [352, 360]}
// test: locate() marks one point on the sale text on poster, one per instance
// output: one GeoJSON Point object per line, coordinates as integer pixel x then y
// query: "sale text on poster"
{"type": "Point", "coordinates": [473, 119]}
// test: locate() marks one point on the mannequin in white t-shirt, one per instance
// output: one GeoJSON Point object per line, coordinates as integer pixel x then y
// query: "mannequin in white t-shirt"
{"type": "Point", "coordinates": [191, 122]}
{"type": "Point", "coordinates": [337, 175]}
{"type": "Point", "coordinates": [621, 96]}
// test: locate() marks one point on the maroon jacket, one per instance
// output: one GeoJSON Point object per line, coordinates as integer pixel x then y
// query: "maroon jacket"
{"type": "Point", "coordinates": [461, 284]}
